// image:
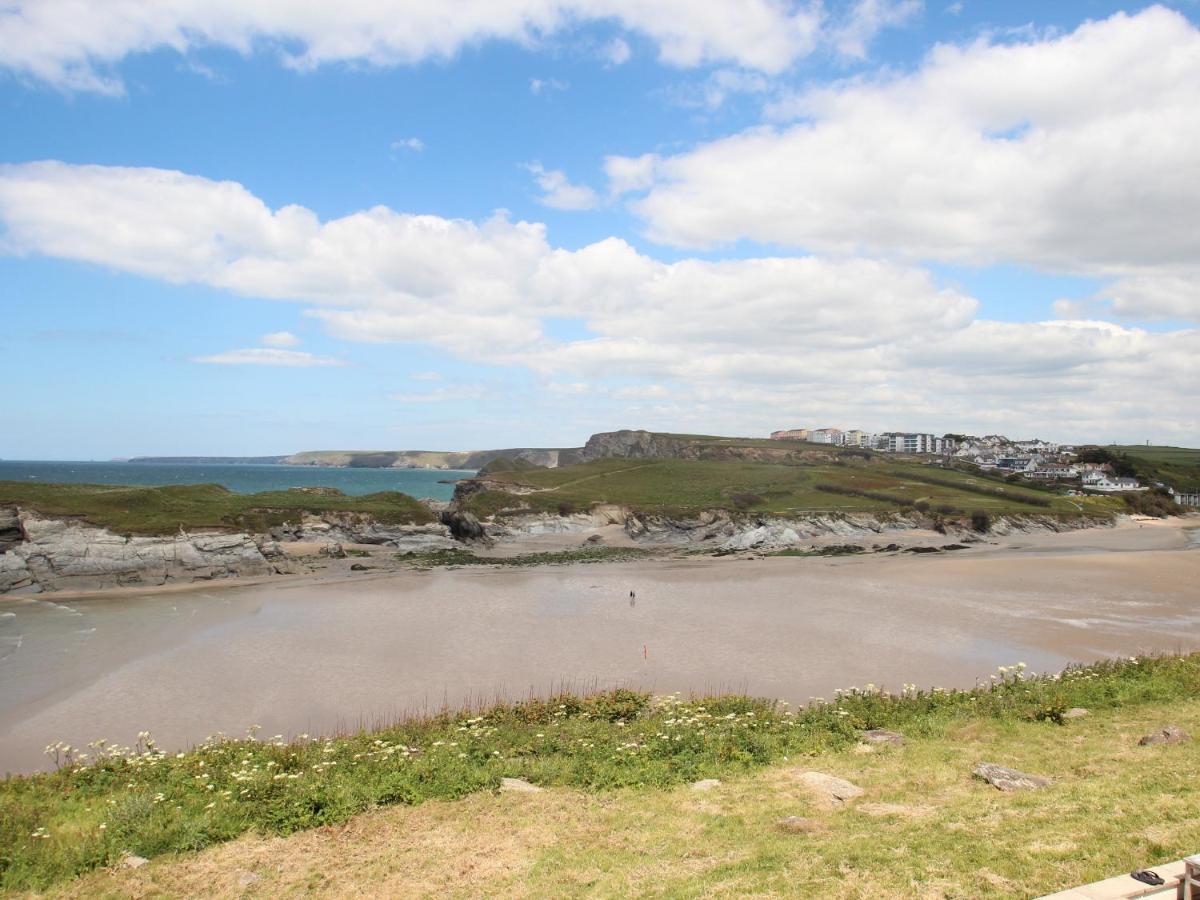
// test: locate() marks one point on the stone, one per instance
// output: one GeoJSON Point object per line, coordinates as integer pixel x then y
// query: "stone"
{"type": "Point", "coordinates": [799, 825]}
{"type": "Point", "coordinates": [883, 736]}
{"type": "Point", "coordinates": [706, 784]}
{"type": "Point", "coordinates": [246, 879]}
{"type": "Point", "coordinates": [594, 540]}
{"type": "Point", "coordinates": [1006, 779]}
{"type": "Point", "coordinates": [129, 861]}
{"type": "Point", "coordinates": [1170, 734]}
{"type": "Point", "coordinates": [518, 786]}
{"type": "Point", "coordinates": [334, 551]}
{"type": "Point", "coordinates": [1076, 712]}
{"type": "Point", "coordinates": [829, 788]}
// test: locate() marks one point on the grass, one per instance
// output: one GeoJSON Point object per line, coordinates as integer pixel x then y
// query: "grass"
{"type": "Point", "coordinates": [164, 510]}
{"type": "Point", "coordinates": [54, 826]}
{"type": "Point", "coordinates": [461, 557]}
{"type": "Point", "coordinates": [1178, 467]}
{"type": "Point", "coordinates": [685, 486]}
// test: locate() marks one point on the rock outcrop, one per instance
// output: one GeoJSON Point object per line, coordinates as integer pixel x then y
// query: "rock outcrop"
{"type": "Point", "coordinates": [10, 528]}
{"type": "Point", "coordinates": [358, 528]}
{"type": "Point", "coordinates": [1005, 779]}
{"type": "Point", "coordinates": [70, 555]}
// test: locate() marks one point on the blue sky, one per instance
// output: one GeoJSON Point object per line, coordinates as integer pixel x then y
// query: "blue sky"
{"type": "Point", "coordinates": [910, 216]}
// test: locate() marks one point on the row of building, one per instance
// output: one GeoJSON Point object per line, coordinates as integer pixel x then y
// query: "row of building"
{"type": "Point", "coordinates": [888, 442]}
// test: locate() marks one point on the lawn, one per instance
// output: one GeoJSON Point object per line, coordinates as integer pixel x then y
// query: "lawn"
{"type": "Point", "coordinates": [164, 510]}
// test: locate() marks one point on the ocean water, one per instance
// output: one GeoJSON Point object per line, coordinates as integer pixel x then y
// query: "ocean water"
{"type": "Point", "coordinates": [243, 478]}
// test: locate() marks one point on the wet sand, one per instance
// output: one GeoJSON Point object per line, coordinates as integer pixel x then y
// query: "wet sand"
{"type": "Point", "coordinates": [294, 655]}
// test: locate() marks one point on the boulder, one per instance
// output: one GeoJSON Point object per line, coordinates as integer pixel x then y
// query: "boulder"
{"type": "Point", "coordinates": [829, 788]}
{"type": "Point", "coordinates": [1170, 734]}
{"type": "Point", "coordinates": [883, 736]}
{"type": "Point", "coordinates": [129, 861]}
{"type": "Point", "coordinates": [464, 526]}
{"type": "Point", "coordinates": [706, 784]}
{"type": "Point", "coordinates": [1006, 779]}
{"type": "Point", "coordinates": [1076, 712]}
{"type": "Point", "coordinates": [334, 551]}
{"type": "Point", "coordinates": [11, 533]}
{"type": "Point", "coordinates": [518, 786]}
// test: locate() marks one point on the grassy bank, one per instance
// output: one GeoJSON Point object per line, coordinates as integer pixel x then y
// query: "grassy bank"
{"type": "Point", "coordinates": [688, 486]}
{"type": "Point", "coordinates": [143, 801]}
{"type": "Point", "coordinates": [164, 510]}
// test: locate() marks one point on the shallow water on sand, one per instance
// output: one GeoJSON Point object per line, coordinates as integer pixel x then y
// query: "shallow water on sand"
{"type": "Point", "coordinates": [310, 657]}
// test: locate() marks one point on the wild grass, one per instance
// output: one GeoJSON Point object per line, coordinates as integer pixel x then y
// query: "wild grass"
{"type": "Point", "coordinates": [147, 802]}
{"type": "Point", "coordinates": [164, 510]}
{"type": "Point", "coordinates": [688, 486]}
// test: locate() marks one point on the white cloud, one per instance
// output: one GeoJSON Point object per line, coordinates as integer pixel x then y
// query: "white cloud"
{"type": "Point", "coordinates": [739, 343]}
{"type": "Point", "coordinates": [75, 45]}
{"type": "Point", "coordinates": [629, 173]}
{"type": "Point", "coordinates": [539, 86]}
{"type": "Point", "coordinates": [409, 143]}
{"type": "Point", "coordinates": [866, 19]}
{"type": "Point", "coordinates": [616, 52]}
{"type": "Point", "coordinates": [1078, 154]}
{"type": "Point", "coordinates": [280, 339]}
{"type": "Point", "coordinates": [557, 190]}
{"type": "Point", "coordinates": [426, 376]}
{"type": "Point", "coordinates": [267, 356]}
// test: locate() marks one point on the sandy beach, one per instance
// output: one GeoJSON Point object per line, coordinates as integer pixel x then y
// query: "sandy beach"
{"type": "Point", "coordinates": [339, 650]}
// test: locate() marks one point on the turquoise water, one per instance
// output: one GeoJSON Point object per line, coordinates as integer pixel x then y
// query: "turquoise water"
{"type": "Point", "coordinates": [243, 478]}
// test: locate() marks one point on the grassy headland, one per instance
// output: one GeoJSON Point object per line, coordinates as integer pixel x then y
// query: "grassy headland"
{"type": "Point", "coordinates": [143, 801]}
{"type": "Point", "coordinates": [164, 510]}
{"type": "Point", "coordinates": [827, 484]}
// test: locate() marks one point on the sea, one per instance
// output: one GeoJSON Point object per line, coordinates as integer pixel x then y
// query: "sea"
{"type": "Point", "coordinates": [244, 478]}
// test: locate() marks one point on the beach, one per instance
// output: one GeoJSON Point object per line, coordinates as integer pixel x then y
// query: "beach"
{"type": "Point", "coordinates": [319, 654]}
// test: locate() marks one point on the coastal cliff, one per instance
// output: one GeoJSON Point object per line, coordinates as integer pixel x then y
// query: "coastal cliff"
{"type": "Point", "coordinates": [55, 554]}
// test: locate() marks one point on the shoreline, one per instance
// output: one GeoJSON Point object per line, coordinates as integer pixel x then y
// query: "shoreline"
{"type": "Point", "coordinates": [1175, 533]}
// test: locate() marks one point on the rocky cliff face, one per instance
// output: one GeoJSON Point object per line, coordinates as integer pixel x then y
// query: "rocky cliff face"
{"type": "Point", "coordinates": [356, 528]}
{"type": "Point", "coordinates": [61, 555]}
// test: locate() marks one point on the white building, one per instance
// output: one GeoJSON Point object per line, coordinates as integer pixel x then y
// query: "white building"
{"type": "Point", "coordinates": [1095, 480]}
{"type": "Point", "coordinates": [827, 436]}
{"type": "Point", "coordinates": [904, 442]}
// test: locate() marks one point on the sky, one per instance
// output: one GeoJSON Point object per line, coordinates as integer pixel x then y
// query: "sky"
{"type": "Point", "coordinates": [251, 227]}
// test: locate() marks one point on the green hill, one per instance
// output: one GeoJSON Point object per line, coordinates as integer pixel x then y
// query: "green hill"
{"type": "Point", "coordinates": [164, 510]}
{"type": "Point", "coordinates": [828, 484]}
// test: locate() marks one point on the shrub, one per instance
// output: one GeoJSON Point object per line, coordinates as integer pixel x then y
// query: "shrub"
{"type": "Point", "coordinates": [981, 521]}
{"type": "Point", "coordinates": [745, 499]}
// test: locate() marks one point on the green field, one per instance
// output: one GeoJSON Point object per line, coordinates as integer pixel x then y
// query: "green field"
{"type": "Point", "coordinates": [164, 510]}
{"type": "Point", "coordinates": [1178, 467]}
{"type": "Point", "coordinates": [682, 486]}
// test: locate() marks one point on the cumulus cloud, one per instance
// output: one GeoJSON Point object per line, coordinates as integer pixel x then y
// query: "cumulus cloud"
{"type": "Point", "coordinates": [1078, 154]}
{"type": "Point", "coordinates": [616, 52]}
{"type": "Point", "coordinates": [75, 45]}
{"type": "Point", "coordinates": [743, 342]}
{"type": "Point", "coordinates": [409, 143]}
{"type": "Point", "coordinates": [280, 339]}
{"type": "Point", "coordinates": [557, 190]}
{"type": "Point", "coordinates": [267, 356]}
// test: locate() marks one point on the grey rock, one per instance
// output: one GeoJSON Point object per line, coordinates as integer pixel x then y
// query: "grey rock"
{"type": "Point", "coordinates": [246, 879]}
{"type": "Point", "coordinates": [71, 555]}
{"type": "Point", "coordinates": [883, 736]}
{"type": "Point", "coordinates": [11, 533]}
{"type": "Point", "coordinates": [129, 861]}
{"type": "Point", "coordinates": [1076, 712]}
{"type": "Point", "coordinates": [1006, 779]}
{"type": "Point", "coordinates": [334, 551]}
{"type": "Point", "coordinates": [706, 784]}
{"type": "Point", "coordinates": [464, 526]}
{"type": "Point", "coordinates": [829, 788]}
{"type": "Point", "coordinates": [1170, 734]}
{"type": "Point", "coordinates": [518, 786]}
